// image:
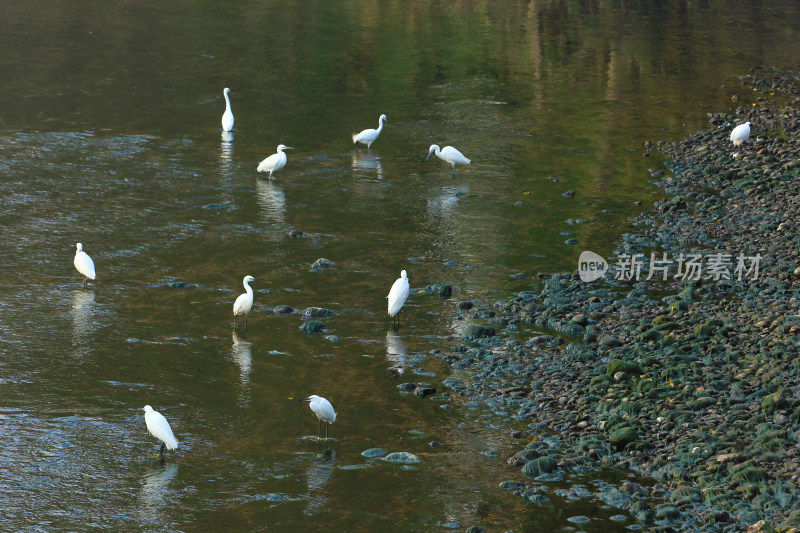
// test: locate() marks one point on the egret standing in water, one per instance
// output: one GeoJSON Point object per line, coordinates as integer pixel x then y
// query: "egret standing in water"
{"type": "Point", "coordinates": [274, 162]}
{"type": "Point", "coordinates": [740, 133]}
{"type": "Point", "coordinates": [397, 296]}
{"type": "Point", "coordinates": [448, 155]}
{"type": "Point", "coordinates": [158, 427]}
{"type": "Point", "coordinates": [83, 263]}
{"type": "Point", "coordinates": [324, 411]}
{"type": "Point", "coordinates": [369, 135]}
{"type": "Point", "coordinates": [244, 302]}
{"type": "Point", "coordinates": [227, 116]}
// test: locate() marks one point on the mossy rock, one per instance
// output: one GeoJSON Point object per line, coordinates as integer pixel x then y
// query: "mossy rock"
{"type": "Point", "coordinates": [751, 474]}
{"type": "Point", "coordinates": [618, 365]}
{"type": "Point", "coordinates": [650, 335]}
{"type": "Point", "coordinates": [529, 454]}
{"type": "Point", "coordinates": [540, 465]}
{"type": "Point", "coordinates": [668, 512]}
{"type": "Point", "coordinates": [313, 326]}
{"type": "Point", "coordinates": [685, 494]}
{"type": "Point", "coordinates": [442, 289]}
{"type": "Point", "coordinates": [645, 385]}
{"type": "Point", "coordinates": [622, 437]}
{"type": "Point", "coordinates": [773, 402]}
{"type": "Point", "coordinates": [473, 332]}
{"type": "Point", "coordinates": [632, 408]}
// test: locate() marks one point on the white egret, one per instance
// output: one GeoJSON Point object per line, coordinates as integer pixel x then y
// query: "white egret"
{"type": "Point", "coordinates": [448, 155]}
{"type": "Point", "coordinates": [227, 116]}
{"type": "Point", "coordinates": [324, 411]}
{"type": "Point", "coordinates": [397, 296]}
{"type": "Point", "coordinates": [244, 302]}
{"type": "Point", "coordinates": [158, 427]}
{"type": "Point", "coordinates": [740, 133]}
{"type": "Point", "coordinates": [369, 135]}
{"type": "Point", "coordinates": [83, 263]}
{"type": "Point", "coordinates": [274, 162]}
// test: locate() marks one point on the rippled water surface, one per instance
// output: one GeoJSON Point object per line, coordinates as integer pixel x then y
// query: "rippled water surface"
{"type": "Point", "coordinates": [110, 136]}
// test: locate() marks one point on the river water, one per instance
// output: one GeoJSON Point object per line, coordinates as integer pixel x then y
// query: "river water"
{"type": "Point", "coordinates": [110, 136]}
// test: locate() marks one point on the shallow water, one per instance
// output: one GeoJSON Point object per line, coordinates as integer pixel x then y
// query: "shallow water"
{"type": "Point", "coordinates": [110, 136]}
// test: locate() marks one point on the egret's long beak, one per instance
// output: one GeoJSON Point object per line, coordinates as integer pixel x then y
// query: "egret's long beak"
{"type": "Point", "coordinates": [288, 148]}
{"type": "Point", "coordinates": [304, 400]}
{"type": "Point", "coordinates": [429, 155]}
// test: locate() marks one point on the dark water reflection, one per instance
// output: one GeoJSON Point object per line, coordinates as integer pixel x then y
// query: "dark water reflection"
{"type": "Point", "coordinates": [110, 136]}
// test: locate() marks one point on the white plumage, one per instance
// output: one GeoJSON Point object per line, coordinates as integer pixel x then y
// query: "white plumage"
{"type": "Point", "coordinates": [158, 427]}
{"type": "Point", "coordinates": [398, 294]}
{"type": "Point", "coordinates": [324, 411]}
{"type": "Point", "coordinates": [244, 302]}
{"type": "Point", "coordinates": [227, 116]}
{"type": "Point", "coordinates": [448, 155]}
{"type": "Point", "coordinates": [740, 133]}
{"type": "Point", "coordinates": [369, 135]}
{"type": "Point", "coordinates": [83, 263]}
{"type": "Point", "coordinates": [274, 162]}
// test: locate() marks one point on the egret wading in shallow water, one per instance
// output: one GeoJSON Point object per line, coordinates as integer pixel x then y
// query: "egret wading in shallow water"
{"type": "Point", "coordinates": [244, 302]}
{"type": "Point", "coordinates": [274, 162]}
{"type": "Point", "coordinates": [448, 155]}
{"type": "Point", "coordinates": [158, 427]}
{"type": "Point", "coordinates": [324, 411]}
{"type": "Point", "coordinates": [227, 116]}
{"type": "Point", "coordinates": [740, 134]}
{"type": "Point", "coordinates": [83, 263]}
{"type": "Point", "coordinates": [369, 135]}
{"type": "Point", "coordinates": [397, 297]}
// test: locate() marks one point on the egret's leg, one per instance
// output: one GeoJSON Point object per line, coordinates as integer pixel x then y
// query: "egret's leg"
{"type": "Point", "coordinates": [85, 280]}
{"type": "Point", "coordinates": [326, 430]}
{"type": "Point", "coordinates": [245, 322]}
{"type": "Point", "coordinates": [319, 428]}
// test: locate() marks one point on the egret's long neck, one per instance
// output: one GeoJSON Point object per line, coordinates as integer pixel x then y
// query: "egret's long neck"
{"type": "Point", "coordinates": [247, 288]}
{"type": "Point", "coordinates": [227, 102]}
{"type": "Point", "coordinates": [380, 124]}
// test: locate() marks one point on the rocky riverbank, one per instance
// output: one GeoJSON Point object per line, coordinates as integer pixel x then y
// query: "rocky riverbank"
{"type": "Point", "coordinates": [693, 382]}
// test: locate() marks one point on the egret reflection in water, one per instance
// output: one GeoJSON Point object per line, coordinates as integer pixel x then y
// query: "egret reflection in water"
{"type": "Point", "coordinates": [156, 489]}
{"type": "Point", "coordinates": [367, 162]}
{"type": "Point", "coordinates": [226, 151]}
{"type": "Point", "coordinates": [242, 355]}
{"type": "Point", "coordinates": [272, 204]}
{"type": "Point", "coordinates": [82, 316]}
{"type": "Point", "coordinates": [320, 469]}
{"type": "Point", "coordinates": [396, 351]}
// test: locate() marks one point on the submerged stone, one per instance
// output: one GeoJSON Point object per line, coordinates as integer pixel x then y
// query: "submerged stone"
{"type": "Point", "coordinates": [540, 465]}
{"type": "Point", "coordinates": [402, 458]}
{"type": "Point", "coordinates": [313, 326]}
{"type": "Point", "coordinates": [473, 332]}
{"type": "Point", "coordinates": [373, 452]}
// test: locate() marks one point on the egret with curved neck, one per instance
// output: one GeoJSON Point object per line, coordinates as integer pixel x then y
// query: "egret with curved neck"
{"type": "Point", "coordinates": [227, 116]}
{"type": "Point", "coordinates": [448, 155]}
{"type": "Point", "coordinates": [244, 302]}
{"type": "Point", "coordinates": [83, 263]}
{"type": "Point", "coordinates": [274, 162]}
{"type": "Point", "coordinates": [368, 136]}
